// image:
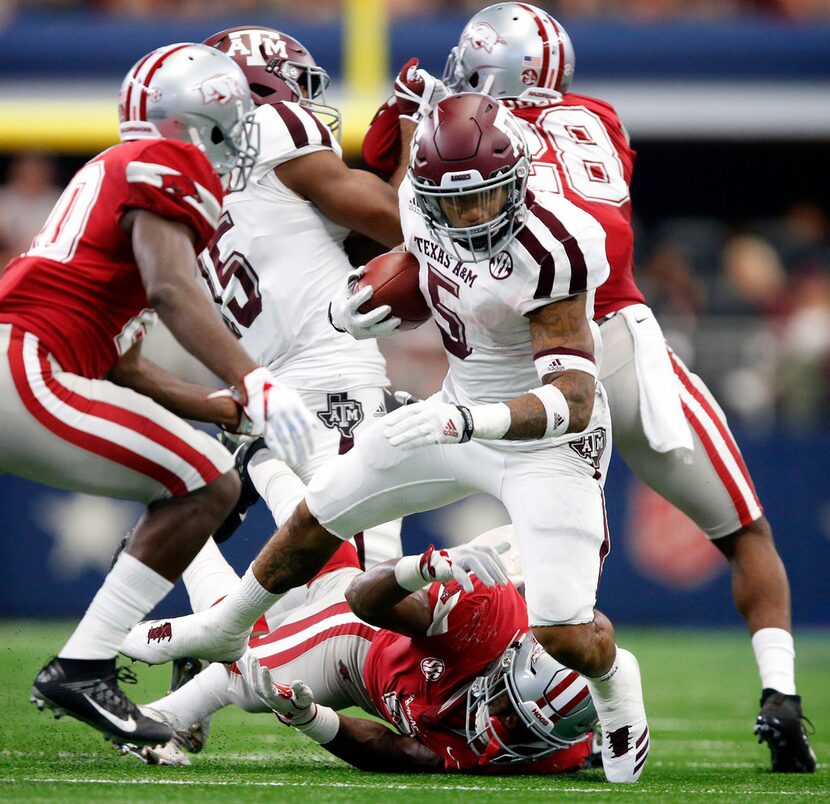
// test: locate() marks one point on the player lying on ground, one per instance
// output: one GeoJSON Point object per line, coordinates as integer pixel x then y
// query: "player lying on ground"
{"type": "Point", "coordinates": [667, 425]}
{"type": "Point", "coordinates": [451, 666]}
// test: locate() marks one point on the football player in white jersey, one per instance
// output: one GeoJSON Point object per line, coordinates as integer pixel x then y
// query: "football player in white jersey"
{"type": "Point", "coordinates": [667, 425]}
{"type": "Point", "coordinates": [278, 257]}
{"type": "Point", "coordinates": [510, 282]}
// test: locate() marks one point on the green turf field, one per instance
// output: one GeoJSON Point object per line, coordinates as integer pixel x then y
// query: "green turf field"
{"type": "Point", "coordinates": [700, 687]}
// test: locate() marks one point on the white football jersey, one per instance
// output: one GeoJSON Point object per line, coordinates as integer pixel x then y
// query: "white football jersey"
{"type": "Point", "coordinates": [481, 307]}
{"type": "Point", "coordinates": [276, 261]}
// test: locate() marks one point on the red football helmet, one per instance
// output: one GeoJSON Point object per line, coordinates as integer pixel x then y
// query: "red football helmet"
{"type": "Point", "coordinates": [278, 68]}
{"type": "Point", "coordinates": [469, 171]}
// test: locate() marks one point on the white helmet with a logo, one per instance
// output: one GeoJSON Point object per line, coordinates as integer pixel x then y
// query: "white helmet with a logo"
{"type": "Point", "coordinates": [553, 704]}
{"type": "Point", "coordinates": [508, 48]}
{"type": "Point", "coordinates": [193, 93]}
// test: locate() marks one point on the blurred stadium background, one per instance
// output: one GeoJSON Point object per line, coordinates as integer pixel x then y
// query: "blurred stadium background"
{"type": "Point", "coordinates": [728, 106]}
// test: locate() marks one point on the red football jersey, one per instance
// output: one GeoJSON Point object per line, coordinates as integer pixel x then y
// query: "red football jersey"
{"type": "Point", "coordinates": [579, 148]}
{"type": "Point", "coordinates": [78, 287]}
{"type": "Point", "coordinates": [419, 684]}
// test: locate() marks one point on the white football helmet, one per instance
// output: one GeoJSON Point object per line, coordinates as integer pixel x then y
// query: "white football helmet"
{"type": "Point", "coordinates": [508, 48]}
{"type": "Point", "coordinates": [195, 94]}
{"type": "Point", "coordinates": [552, 702]}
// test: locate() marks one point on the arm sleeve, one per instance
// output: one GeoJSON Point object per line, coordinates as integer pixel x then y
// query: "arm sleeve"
{"type": "Point", "coordinates": [382, 142]}
{"type": "Point", "coordinates": [563, 249]}
{"type": "Point", "coordinates": [288, 131]}
{"type": "Point", "coordinates": [175, 181]}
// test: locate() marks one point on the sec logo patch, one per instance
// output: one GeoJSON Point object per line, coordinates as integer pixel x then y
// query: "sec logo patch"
{"type": "Point", "coordinates": [432, 668]}
{"type": "Point", "coordinates": [501, 266]}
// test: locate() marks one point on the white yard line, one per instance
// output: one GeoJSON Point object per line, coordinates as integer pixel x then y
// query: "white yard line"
{"type": "Point", "coordinates": [386, 786]}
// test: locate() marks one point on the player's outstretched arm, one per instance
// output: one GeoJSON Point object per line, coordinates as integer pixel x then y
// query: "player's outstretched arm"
{"type": "Point", "coordinates": [356, 199]}
{"type": "Point", "coordinates": [164, 253]}
{"type": "Point", "coordinates": [186, 399]}
{"type": "Point", "coordinates": [372, 746]}
{"type": "Point", "coordinates": [366, 744]}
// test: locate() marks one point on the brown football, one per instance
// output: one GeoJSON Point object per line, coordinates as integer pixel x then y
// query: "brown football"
{"type": "Point", "coordinates": [394, 278]}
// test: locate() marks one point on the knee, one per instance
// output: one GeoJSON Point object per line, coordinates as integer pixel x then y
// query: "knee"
{"type": "Point", "coordinates": [753, 540]}
{"type": "Point", "coordinates": [223, 492]}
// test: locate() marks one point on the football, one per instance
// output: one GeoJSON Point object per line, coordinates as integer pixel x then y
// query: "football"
{"type": "Point", "coordinates": [394, 278]}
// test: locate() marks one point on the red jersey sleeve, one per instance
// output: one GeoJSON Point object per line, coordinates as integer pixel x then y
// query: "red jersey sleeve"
{"type": "Point", "coordinates": [175, 181]}
{"type": "Point", "coordinates": [470, 623]}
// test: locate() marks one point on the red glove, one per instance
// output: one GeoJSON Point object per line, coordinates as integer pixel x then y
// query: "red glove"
{"type": "Point", "coordinates": [416, 91]}
{"type": "Point", "coordinates": [382, 143]}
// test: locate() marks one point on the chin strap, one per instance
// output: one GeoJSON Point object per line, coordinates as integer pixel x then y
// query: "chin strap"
{"type": "Point", "coordinates": [499, 735]}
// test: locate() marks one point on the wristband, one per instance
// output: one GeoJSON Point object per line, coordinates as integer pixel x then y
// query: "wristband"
{"type": "Point", "coordinates": [555, 361]}
{"type": "Point", "coordinates": [323, 727]}
{"type": "Point", "coordinates": [408, 573]}
{"type": "Point", "coordinates": [556, 408]}
{"type": "Point", "coordinates": [491, 421]}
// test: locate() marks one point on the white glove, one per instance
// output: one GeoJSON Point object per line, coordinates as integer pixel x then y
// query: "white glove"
{"type": "Point", "coordinates": [292, 703]}
{"type": "Point", "coordinates": [344, 315]}
{"type": "Point", "coordinates": [429, 422]}
{"type": "Point", "coordinates": [279, 414]}
{"type": "Point", "coordinates": [416, 91]}
{"type": "Point", "coordinates": [457, 563]}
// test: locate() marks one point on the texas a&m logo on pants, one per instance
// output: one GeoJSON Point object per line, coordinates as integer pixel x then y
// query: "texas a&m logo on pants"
{"type": "Point", "coordinates": [590, 446]}
{"type": "Point", "coordinates": [343, 414]}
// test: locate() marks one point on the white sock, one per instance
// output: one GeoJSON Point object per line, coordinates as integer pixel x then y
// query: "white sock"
{"type": "Point", "coordinates": [128, 593]}
{"type": "Point", "coordinates": [775, 654]}
{"type": "Point", "coordinates": [246, 603]}
{"type": "Point", "coordinates": [209, 577]}
{"type": "Point", "coordinates": [198, 699]}
{"type": "Point", "coordinates": [281, 489]}
{"type": "Point", "coordinates": [618, 695]}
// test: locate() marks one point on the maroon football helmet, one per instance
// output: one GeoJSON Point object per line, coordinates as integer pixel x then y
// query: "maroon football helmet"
{"type": "Point", "coordinates": [469, 171]}
{"type": "Point", "coordinates": [278, 68]}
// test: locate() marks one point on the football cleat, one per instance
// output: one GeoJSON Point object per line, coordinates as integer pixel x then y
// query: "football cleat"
{"type": "Point", "coordinates": [624, 752]}
{"type": "Point", "coordinates": [202, 635]}
{"type": "Point", "coordinates": [185, 740]}
{"type": "Point", "coordinates": [247, 496]}
{"type": "Point", "coordinates": [89, 691]}
{"type": "Point", "coordinates": [779, 724]}
{"type": "Point", "coordinates": [626, 742]}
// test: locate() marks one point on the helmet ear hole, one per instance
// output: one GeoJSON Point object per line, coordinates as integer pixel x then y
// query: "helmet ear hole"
{"type": "Point", "coordinates": [216, 135]}
{"type": "Point", "coordinates": [473, 79]}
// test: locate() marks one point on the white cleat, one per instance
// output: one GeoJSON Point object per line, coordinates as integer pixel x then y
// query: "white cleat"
{"type": "Point", "coordinates": [624, 752]}
{"type": "Point", "coordinates": [625, 739]}
{"type": "Point", "coordinates": [196, 635]}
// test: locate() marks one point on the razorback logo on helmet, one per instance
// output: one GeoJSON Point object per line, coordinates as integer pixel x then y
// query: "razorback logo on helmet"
{"type": "Point", "coordinates": [258, 46]}
{"type": "Point", "coordinates": [180, 186]}
{"type": "Point", "coordinates": [220, 88]}
{"type": "Point", "coordinates": [483, 36]}
{"type": "Point", "coordinates": [432, 668]}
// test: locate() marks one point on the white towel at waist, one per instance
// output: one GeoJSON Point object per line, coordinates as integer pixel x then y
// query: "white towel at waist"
{"type": "Point", "coordinates": [664, 424]}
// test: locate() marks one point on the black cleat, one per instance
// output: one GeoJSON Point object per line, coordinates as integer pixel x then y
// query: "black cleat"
{"type": "Point", "coordinates": [779, 724]}
{"type": "Point", "coordinates": [88, 690]}
{"type": "Point", "coordinates": [247, 497]}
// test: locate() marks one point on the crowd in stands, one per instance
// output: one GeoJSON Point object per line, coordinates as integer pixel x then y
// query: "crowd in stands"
{"type": "Point", "coordinates": [747, 308]}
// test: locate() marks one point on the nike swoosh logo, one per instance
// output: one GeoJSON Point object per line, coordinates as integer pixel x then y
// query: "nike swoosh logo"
{"type": "Point", "coordinates": [127, 725]}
